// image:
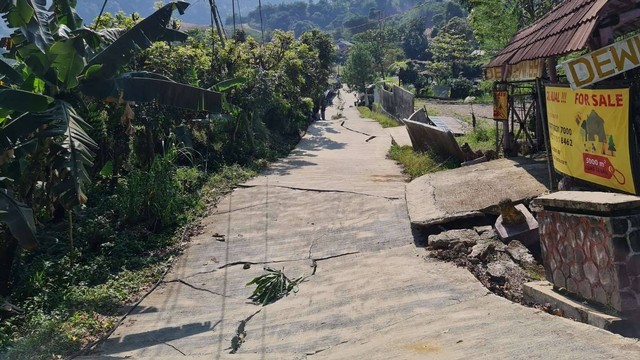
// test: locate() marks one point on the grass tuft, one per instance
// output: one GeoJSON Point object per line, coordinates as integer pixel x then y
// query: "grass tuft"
{"type": "Point", "coordinates": [482, 138]}
{"type": "Point", "coordinates": [384, 120]}
{"type": "Point", "coordinates": [416, 164]}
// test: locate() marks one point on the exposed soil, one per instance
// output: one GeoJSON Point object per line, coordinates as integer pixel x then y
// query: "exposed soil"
{"type": "Point", "coordinates": [501, 268]}
{"type": "Point", "coordinates": [455, 109]}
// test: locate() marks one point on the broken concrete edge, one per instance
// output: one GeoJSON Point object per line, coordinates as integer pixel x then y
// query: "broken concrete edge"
{"type": "Point", "coordinates": [445, 219]}
{"type": "Point", "coordinates": [475, 161]}
{"type": "Point", "coordinates": [542, 292]}
{"type": "Point", "coordinates": [495, 210]}
{"type": "Point", "coordinates": [448, 219]}
{"type": "Point", "coordinates": [526, 232]}
{"type": "Point", "coordinates": [587, 201]}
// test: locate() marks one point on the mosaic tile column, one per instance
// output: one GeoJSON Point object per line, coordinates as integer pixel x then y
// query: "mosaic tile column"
{"type": "Point", "coordinates": [593, 255]}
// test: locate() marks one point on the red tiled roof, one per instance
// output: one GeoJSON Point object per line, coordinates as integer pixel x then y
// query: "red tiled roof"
{"type": "Point", "coordinates": [563, 30]}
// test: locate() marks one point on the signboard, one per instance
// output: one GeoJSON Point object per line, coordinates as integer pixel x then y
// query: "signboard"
{"type": "Point", "coordinates": [500, 105]}
{"type": "Point", "coordinates": [589, 135]}
{"type": "Point", "coordinates": [603, 63]}
{"type": "Point", "coordinates": [525, 70]}
{"type": "Point", "coordinates": [522, 71]}
{"type": "Point", "coordinates": [493, 73]}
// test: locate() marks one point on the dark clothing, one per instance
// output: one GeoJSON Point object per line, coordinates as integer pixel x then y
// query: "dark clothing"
{"type": "Point", "coordinates": [327, 101]}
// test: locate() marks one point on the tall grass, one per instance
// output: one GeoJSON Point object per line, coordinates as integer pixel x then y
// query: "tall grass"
{"type": "Point", "coordinates": [384, 120]}
{"type": "Point", "coordinates": [416, 164]}
{"type": "Point", "coordinates": [481, 138]}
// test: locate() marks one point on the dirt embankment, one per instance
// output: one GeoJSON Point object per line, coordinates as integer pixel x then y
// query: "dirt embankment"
{"type": "Point", "coordinates": [501, 268]}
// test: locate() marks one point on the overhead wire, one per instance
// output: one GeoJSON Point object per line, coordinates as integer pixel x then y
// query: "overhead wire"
{"type": "Point", "coordinates": [220, 19]}
{"type": "Point", "coordinates": [240, 15]}
{"type": "Point", "coordinates": [403, 13]}
{"type": "Point", "coordinates": [104, 4]}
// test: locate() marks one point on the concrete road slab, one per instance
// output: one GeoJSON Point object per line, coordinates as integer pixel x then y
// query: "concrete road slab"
{"type": "Point", "coordinates": [399, 134]}
{"type": "Point", "coordinates": [373, 294]}
{"type": "Point", "coordinates": [488, 327]}
{"type": "Point", "coordinates": [472, 190]}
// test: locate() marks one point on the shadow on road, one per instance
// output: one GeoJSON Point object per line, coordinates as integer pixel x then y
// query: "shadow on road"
{"type": "Point", "coordinates": [155, 337]}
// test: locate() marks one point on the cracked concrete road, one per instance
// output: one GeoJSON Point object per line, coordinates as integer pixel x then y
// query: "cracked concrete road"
{"type": "Point", "coordinates": [337, 204]}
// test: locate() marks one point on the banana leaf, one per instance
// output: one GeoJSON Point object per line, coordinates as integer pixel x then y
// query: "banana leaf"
{"type": "Point", "coordinates": [32, 19]}
{"type": "Point", "coordinates": [68, 61]}
{"type": "Point", "coordinates": [11, 75]}
{"type": "Point", "coordinates": [73, 155]}
{"type": "Point", "coordinates": [167, 92]}
{"type": "Point", "coordinates": [19, 219]}
{"type": "Point", "coordinates": [66, 13]}
{"type": "Point", "coordinates": [172, 35]}
{"type": "Point", "coordinates": [229, 84]}
{"type": "Point", "coordinates": [20, 100]}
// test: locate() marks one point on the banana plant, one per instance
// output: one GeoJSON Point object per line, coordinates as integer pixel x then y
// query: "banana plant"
{"type": "Point", "coordinates": [52, 59]}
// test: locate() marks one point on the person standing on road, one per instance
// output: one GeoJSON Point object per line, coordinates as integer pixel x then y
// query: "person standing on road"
{"type": "Point", "coordinates": [327, 101]}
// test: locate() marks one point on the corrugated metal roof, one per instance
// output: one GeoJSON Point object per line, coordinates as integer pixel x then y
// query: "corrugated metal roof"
{"type": "Point", "coordinates": [563, 30]}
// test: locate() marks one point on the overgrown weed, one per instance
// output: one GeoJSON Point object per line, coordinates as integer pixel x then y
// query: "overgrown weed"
{"type": "Point", "coordinates": [416, 164]}
{"type": "Point", "coordinates": [119, 252]}
{"type": "Point", "coordinates": [384, 120]}
{"type": "Point", "coordinates": [481, 138]}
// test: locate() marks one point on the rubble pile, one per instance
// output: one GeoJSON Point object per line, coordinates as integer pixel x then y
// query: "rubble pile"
{"type": "Point", "coordinates": [502, 268]}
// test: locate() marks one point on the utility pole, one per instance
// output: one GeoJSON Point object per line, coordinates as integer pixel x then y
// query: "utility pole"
{"type": "Point", "coordinates": [380, 44]}
{"type": "Point", "coordinates": [233, 9]}
{"type": "Point", "coordinates": [216, 18]}
{"type": "Point", "coordinates": [261, 25]}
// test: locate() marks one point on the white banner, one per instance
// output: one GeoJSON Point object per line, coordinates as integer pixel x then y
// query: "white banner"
{"type": "Point", "coordinates": [603, 63]}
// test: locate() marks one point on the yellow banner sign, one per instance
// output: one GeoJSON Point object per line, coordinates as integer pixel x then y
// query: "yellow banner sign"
{"type": "Point", "coordinates": [500, 105]}
{"type": "Point", "coordinates": [589, 135]}
{"type": "Point", "coordinates": [603, 63]}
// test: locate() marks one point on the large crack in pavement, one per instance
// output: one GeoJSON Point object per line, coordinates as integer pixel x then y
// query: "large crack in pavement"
{"type": "Point", "coordinates": [357, 132]}
{"type": "Point", "coordinates": [180, 281]}
{"type": "Point", "coordinates": [241, 334]}
{"type": "Point", "coordinates": [172, 346]}
{"type": "Point", "coordinates": [236, 263]}
{"type": "Point", "coordinates": [245, 186]}
{"type": "Point", "coordinates": [245, 263]}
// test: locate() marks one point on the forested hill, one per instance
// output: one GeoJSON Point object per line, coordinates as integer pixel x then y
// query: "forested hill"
{"type": "Point", "coordinates": [198, 12]}
{"type": "Point", "coordinates": [329, 15]}
{"type": "Point", "coordinates": [349, 16]}
{"type": "Point", "coordinates": [334, 16]}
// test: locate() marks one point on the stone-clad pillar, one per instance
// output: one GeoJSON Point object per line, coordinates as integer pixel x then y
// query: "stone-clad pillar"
{"type": "Point", "coordinates": [591, 246]}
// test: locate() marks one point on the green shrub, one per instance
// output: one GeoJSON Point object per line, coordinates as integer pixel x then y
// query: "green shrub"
{"type": "Point", "coordinates": [481, 138]}
{"type": "Point", "coordinates": [461, 88]}
{"type": "Point", "coordinates": [160, 195]}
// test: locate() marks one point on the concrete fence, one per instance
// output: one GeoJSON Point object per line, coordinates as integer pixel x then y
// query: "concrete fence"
{"type": "Point", "coordinates": [425, 137]}
{"type": "Point", "coordinates": [398, 103]}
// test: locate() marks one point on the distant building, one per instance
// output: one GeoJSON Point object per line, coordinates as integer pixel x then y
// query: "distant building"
{"type": "Point", "coordinates": [344, 45]}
